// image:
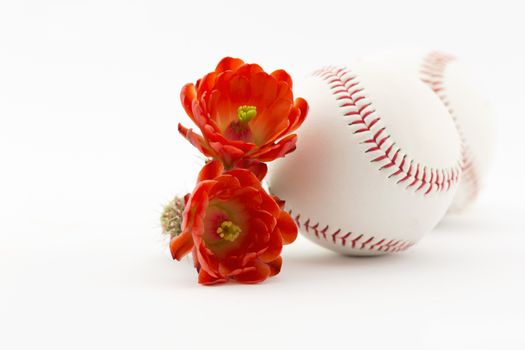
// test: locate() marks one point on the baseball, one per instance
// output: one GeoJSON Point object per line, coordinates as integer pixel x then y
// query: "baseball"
{"type": "Point", "coordinates": [377, 163]}
{"type": "Point", "coordinates": [452, 82]}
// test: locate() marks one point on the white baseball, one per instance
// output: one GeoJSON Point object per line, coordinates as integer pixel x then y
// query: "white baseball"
{"type": "Point", "coordinates": [452, 82]}
{"type": "Point", "coordinates": [377, 162]}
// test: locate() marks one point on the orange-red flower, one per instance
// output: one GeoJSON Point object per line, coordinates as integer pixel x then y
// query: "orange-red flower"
{"type": "Point", "coordinates": [233, 227]}
{"type": "Point", "coordinates": [243, 113]}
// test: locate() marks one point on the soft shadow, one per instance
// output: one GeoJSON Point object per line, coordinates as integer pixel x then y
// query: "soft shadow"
{"type": "Point", "coordinates": [332, 259]}
{"type": "Point", "coordinates": [468, 223]}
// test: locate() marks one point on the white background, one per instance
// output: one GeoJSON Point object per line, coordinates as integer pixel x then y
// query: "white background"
{"type": "Point", "coordinates": [89, 152]}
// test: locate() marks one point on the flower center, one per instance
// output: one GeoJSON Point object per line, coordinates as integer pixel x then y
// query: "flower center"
{"type": "Point", "coordinates": [246, 113]}
{"type": "Point", "coordinates": [228, 231]}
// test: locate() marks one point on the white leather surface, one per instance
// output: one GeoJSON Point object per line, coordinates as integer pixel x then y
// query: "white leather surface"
{"type": "Point", "coordinates": [331, 180]}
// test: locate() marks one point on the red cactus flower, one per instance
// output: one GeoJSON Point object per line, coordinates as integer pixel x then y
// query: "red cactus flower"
{"type": "Point", "coordinates": [233, 227]}
{"type": "Point", "coordinates": [243, 113]}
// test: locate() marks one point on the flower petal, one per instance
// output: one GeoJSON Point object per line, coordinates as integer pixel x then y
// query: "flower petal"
{"type": "Point", "coordinates": [245, 177]}
{"type": "Point", "coordinates": [257, 168]}
{"type": "Point", "coordinates": [207, 279]}
{"type": "Point", "coordinates": [281, 75]}
{"type": "Point", "coordinates": [259, 236]}
{"type": "Point", "coordinates": [269, 204]}
{"type": "Point", "coordinates": [239, 90]}
{"type": "Point", "coordinates": [257, 88]}
{"type": "Point", "coordinates": [227, 153]}
{"type": "Point", "coordinates": [279, 201]}
{"type": "Point", "coordinates": [249, 196]}
{"type": "Point", "coordinates": [233, 266]}
{"type": "Point", "coordinates": [196, 140]}
{"type": "Point", "coordinates": [259, 274]}
{"type": "Point", "coordinates": [297, 115]}
{"type": "Point", "coordinates": [187, 95]}
{"type": "Point", "coordinates": [280, 149]}
{"type": "Point", "coordinates": [287, 227]}
{"type": "Point", "coordinates": [226, 185]}
{"type": "Point", "coordinates": [207, 260]}
{"type": "Point", "coordinates": [267, 126]}
{"type": "Point", "coordinates": [206, 83]}
{"type": "Point", "coordinates": [195, 208]}
{"type": "Point", "coordinates": [275, 266]}
{"type": "Point", "coordinates": [220, 107]}
{"type": "Point", "coordinates": [274, 248]}
{"type": "Point", "coordinates": [249, 69]}
{"type": "Point", "coordinates": [196, 263]}
{"type": "Point", "coordinates": [181, 245]}
{"type": "Point", "coordinates": [210, 170]}
{"type": "Point", "coordinates": [228, 63]}
{"type": "Point", "coordinates": [264, 90]}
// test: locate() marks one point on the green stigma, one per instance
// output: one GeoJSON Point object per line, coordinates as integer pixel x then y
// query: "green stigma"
{"type": "Point", "coordinates": [246, 113]}
{"type": "Point", "coordinates": [228, 231]}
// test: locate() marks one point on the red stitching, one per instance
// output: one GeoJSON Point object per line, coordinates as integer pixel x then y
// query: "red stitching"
{"type": "Point", "coordinates": [359, 242]}
{"type": "Point", "coordinates": [432, 72]}
{"type": "Point", "coordinates": [343, 239]}
{"type": "Point", "coordinates": [346, 89]}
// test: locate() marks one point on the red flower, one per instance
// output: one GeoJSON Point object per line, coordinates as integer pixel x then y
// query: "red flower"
{"type": "Point", "coordinates": [243, 113]}
{"type": "Point", "coordinates": [234, 228]}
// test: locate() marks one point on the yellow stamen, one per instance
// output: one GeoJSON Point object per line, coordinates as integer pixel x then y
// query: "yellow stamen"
{"type": "Point", "coordinates": [228, 231]}
{"type": "Point", "coordinates": [246, 113]}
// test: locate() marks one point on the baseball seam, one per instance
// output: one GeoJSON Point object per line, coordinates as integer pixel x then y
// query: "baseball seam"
{"type": "Point", "coordinates": [348, 238]}
{"type": "Point", "coordinates": [364, 119]}
{"type": "Point", "coordinates": [432, 72]}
